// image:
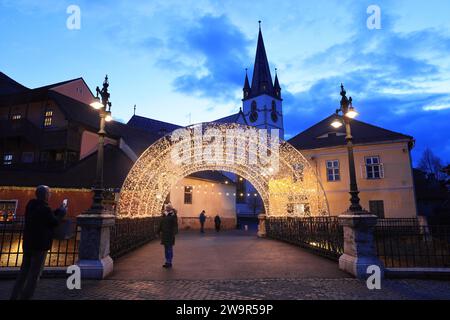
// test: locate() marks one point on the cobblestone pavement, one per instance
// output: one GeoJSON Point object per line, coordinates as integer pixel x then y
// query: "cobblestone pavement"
{"type": "Point", "coordinates": [255, 289]}
{"type": "Point", "coordinates": [231, 265]}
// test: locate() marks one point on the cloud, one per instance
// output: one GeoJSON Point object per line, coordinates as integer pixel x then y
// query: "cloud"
{"type": "Point", "coordinates": [211, 56]}
{"type": "Point", "coordinates": [393, 79]}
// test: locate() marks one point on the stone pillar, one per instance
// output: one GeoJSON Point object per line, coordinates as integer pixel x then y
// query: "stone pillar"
{"type": "Point", "coordinates": [359, 244]}
{"type": "Point", "coordinates": [262, 226]}
{"type": "Point", "coordinates": [93, 258]}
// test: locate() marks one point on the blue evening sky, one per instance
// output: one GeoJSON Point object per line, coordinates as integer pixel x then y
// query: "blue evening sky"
{"type": "Point", "coordinates": [184, 61]}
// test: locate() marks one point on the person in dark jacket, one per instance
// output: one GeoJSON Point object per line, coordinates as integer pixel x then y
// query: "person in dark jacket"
{"type": "Point", "coordinates": [202, 218]}
{"type": "Point", "coordinates": [168, 228]}
{"type": "Point", "coordinates": [40, 221]}
{"type": "Point", "coordinates": [217, 222]}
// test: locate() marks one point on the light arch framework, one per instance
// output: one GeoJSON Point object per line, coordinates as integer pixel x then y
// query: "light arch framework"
{"type": "Point", "coordinates": [291, 189]}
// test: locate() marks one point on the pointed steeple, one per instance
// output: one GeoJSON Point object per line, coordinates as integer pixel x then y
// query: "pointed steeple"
{"type": "Point", "coordinates": [262, 79]}
{"type": "Point", "coordinates": [276, 86]}
{"type": "Point", "coordinates": [246, 88]}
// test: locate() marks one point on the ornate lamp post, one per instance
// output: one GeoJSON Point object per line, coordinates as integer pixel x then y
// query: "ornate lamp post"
{"type": "Point", "coordinates": [104, 108]}
{"type": "Point", "coordinates": [358, 224]}
{"type": "Point", "coordinates": [349, 113]}
{"type": "Point", "coordinates": [94, 260]}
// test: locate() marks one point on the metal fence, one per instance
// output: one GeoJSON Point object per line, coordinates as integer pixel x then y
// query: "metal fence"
{"type": "Point", "coordinates": [62, 253]}
{"type": "Point", "coordinates": [413, 246]}
{"type": "Point", "coordinates": [320, 234]}
{"type": "Point", "coordinates": [128, 234]}
{"type": "Point", "coordinates": [400, 243]}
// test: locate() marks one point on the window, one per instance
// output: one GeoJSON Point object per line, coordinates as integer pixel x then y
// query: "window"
{"type": "Point", "coordinates": [27, 157]}
{"type": "Point", "coordinates": [374, 169]}
{"type": "Point", "coordinates": [273, 113]}
{"type": "Point", "coordinates": [59, 156]}
{"type": "Point", "coordinates": [16, 117]}
{"type": "Point", "coordinates": [188, 195]}
{"type": "Point", "coordinates": [48, 118]}
{"type": "Point", "coordinates": [7, 159]}
{"type": "Point", "coordinates": [45, 156]}
{"type": "Point", "coordinates": [376, 207]}
{"type": "Point", "coordinates": [333, 170]}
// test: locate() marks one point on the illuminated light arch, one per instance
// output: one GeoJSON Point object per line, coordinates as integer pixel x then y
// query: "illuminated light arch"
{"type": "Point", "coordinates": [292, 189]}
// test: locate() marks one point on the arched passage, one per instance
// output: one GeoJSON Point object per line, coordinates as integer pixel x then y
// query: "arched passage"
{"type": "Point", "coordinates": [286, 182]}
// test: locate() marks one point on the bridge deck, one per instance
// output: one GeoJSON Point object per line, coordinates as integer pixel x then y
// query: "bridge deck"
{"type": "Point", "coordinates": [226, 255]}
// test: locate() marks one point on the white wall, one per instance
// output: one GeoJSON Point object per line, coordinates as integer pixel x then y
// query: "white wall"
{"type": "Point", "coordinates": [207, 195]}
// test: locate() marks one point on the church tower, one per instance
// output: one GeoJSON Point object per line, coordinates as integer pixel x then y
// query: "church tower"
{"type": "Point", "coordinates": [262, 103]}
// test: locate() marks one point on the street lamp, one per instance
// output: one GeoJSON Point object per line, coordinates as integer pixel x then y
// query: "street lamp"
{"type": "Point", "coordinates": [104, 108]}
{"type": "Point", "coordinates": [343, 117]}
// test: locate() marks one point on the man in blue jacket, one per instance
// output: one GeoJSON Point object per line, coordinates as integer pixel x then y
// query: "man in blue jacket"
{"type": "Point", "coordinates": [40, 222]}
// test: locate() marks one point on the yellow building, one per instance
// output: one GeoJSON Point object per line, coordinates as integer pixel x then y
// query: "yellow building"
{"type": "Point", "coordinates": [382, 163]}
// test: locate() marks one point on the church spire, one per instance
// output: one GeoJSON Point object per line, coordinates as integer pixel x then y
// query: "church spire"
{"type": "Point", "coordinates": [276, 86]}
{"type": "Point", "coordinates": [262, 79]}
{"type": "Point", "coordinates": [246, 88]}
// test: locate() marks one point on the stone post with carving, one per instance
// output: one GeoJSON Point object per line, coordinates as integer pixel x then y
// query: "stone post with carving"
{"type": "Point", "coordinates": [94, 259]}
{"type": "Point", "coordinates": [359, 244]}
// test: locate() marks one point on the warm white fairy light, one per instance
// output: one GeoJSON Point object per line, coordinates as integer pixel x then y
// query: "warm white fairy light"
{"type": "Point", "coordinates": [292, 188]}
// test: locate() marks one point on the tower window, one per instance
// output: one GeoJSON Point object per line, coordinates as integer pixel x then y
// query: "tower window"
{"type": "Point", "coordinates": [273, 113]}
{"type": "Point", "coordinates": [253, 112]}
{"type": "Point", "coordinates": [48, 119]}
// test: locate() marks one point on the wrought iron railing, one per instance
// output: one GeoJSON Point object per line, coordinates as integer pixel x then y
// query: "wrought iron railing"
{"type": "Point", "coordinates": [128, 234]}
{"type": "Point", "coordinates": [413, 246]}
{"type": "Point", "coordinates": [320, 234]}
{"type": "Point", "coordinates": [62, 253]}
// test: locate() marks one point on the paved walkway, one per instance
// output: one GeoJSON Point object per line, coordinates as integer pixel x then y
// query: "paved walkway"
{"type": "Point", "coordinates": [228, 255]}
{"type": "Point", "coordinates": [231, 265]}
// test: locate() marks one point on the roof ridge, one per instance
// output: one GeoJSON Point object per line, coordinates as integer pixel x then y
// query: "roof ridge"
{"type": "Point", "coordinates": [57, 84]}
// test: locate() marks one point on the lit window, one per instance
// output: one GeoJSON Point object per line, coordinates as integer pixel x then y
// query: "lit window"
{"type": "Point", "coordinates": [188, 195]}
{"type": "Point", "coordinates": [48, 118]}
{"type": "Point", "coordinates": [333, 170]}
{"type": "Point", "coordinates": [16, 117]}
{"type": "Point", "coordinates": [7, 159]}
{"type": "Point", "coordinates": [374, 168]}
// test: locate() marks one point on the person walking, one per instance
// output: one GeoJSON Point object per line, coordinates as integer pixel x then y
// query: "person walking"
{"type": "Point", "coordinates": [217, 222]}
{"type": "Point", "coordinates": [168, 228]}
{"type": "Point", "coordinates": [202, 219]}
{"type": "Point", "coordinates": [40, 222]}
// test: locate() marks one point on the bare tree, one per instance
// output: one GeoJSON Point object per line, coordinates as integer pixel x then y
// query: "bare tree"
{"type": "Point", "coordinates": [432, 164]}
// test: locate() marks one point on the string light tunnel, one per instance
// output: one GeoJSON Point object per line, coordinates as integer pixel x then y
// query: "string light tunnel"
{"type": "Point", "coordinates": [281, 175]}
